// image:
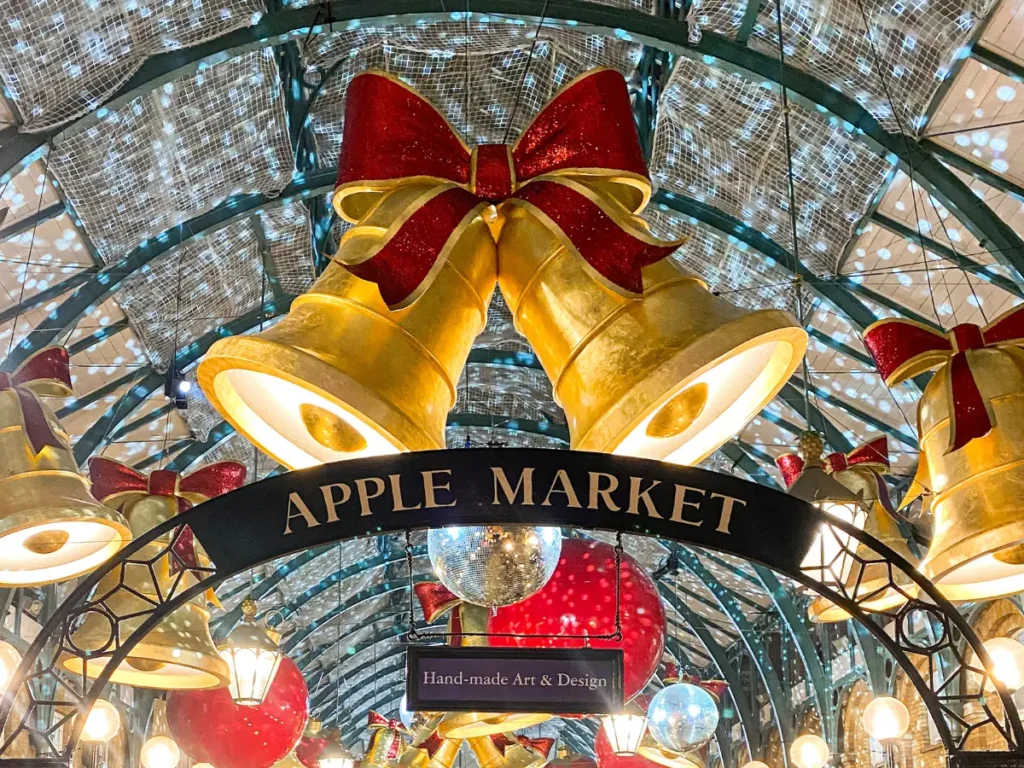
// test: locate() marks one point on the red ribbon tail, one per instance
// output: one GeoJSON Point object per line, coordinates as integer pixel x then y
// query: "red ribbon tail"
{"type": "Point", "coordinates": [405, 266]}
{"type": "Point", "coordinates": [615, 255]}
{"type": "Point", "coordinates": [970, 416]}
{"type": "Point", "coordinates": [37, 429]}
{"type": "Point", "coordinates": [184, 551]}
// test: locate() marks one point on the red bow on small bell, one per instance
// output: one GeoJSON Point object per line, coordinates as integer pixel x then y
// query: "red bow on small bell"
{"type": "Point", "coordinates": [716, 688]}
{"type": "Point", "coordinates": [542, 746]}
{"type": "Point", "coordinates": [903, 348]}
{"type": "Point", "coordinates": [47, 373]}
{"type": "Point", "coordinates": [393, 135]}
{"type": "Point", "coordinates": [115, 482]}
{"type": "Point", "coordinates": [377, 722]}
{"type": "Point", "coordinates": [436, 600]}
{"type": "Point", "coordinates": [872, 455]}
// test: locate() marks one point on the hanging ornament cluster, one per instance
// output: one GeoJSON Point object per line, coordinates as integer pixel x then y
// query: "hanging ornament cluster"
{"type": "Point", "coordinates": [494, 565]}
{"type": "Point", "coordinates": [579, 602]}
{"type": "Point", "coordinates": [211, 728]}
{"type": "Point", "coordinates": [51, 529]}
{"type": "Point", "coordinates": [179, 652]}
{"type": "Point", "coordinates": [867, 579]}
{"type": "Point", "coordinates": [643, 358]}
{"type": "Point", "coordinates": [972, 454]}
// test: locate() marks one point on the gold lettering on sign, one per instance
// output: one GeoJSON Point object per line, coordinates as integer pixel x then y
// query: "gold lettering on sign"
{"type": "Point", "coordinates": [605, 493]}
{"type": "Point", "coordinates": [365, 495]}
{"type": "Point", "coordinates": [331, 502]}
{"type": "Point", "coordinates": [294, 500]}
{"type": "Point", "coordinates": [636, 496]}
{"type": "Point", "coordinates": [680, 502]}
{"type": "Point", "coordinates": [430, 486]}
{"type": "Point", "coordinates": [525, 482]}
{"type": "Point", "coordinates": [727, 507]}
{"type": "Point", "coordinates": [562, 484]}
{"type": "Point", "coordinates": [398, 504]}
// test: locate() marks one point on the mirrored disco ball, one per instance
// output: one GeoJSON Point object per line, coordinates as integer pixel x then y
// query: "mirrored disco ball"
{"type": "Point", "coordinates": [682, 716]}
{"type": "Point", "coordinates": [494, 565]}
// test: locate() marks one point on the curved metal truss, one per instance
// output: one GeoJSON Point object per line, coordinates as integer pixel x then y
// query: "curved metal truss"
{"type": "Point", "coordinates": [960, 695]}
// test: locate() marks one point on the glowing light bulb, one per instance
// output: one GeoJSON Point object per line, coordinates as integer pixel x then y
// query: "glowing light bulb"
{"type": "Point", "coordinates": [809, 751]}
{"type": "Point", "coordinates": [9, 661]}
{"type": "Point", "coordinates": [102, 723]}
{"type": "Point", "coordinates": [1007, 657]}
{"type": "Point", "coordinates": [160, 752]}
{"type": "Point", "coordinates": [751, 764]}
{"type": "Point", "coordinates": [886, 719]}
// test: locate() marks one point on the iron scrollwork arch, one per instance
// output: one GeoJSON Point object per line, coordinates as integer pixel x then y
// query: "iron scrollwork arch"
{"type": "Point", "coordinates": [52, 719]}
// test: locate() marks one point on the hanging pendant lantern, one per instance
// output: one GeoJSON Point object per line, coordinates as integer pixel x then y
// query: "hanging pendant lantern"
{"type": "Point", "coordinates": [829, 560]}
{"type": "Point", "coordinates": [336, 755]}
{"type": "Point", "coordinates": [625, 729]}
{"type": "Point", "coordinates": [253, 657]}
{"type": "Point", "coordinates": [971, 422]}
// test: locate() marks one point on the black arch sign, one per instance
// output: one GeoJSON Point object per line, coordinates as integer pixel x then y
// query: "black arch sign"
{"type": "Point", "coordinates": [346, 500]}
{"type": "Point", "coordinates": [312, 507]}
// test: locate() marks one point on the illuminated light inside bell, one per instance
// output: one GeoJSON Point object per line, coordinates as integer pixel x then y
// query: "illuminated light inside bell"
{"type": "Point", "coordinates": [1011, 555]}
{"type": "Point", "coordinates": [494, 565]}
{"type": "Point", "coordinates": [55, 551]}
{"type": "Point", "coordinates": [829, 558]}
{"type": "Point", "coordinates": [736, 389]}
{"type": "Point", "coordinates": [330, 430]}
{"type": "Point", "coordinates": [981, 578]}
{"type": "Point", "coordinates": [298, 426]}
{"type": "Point", "coordinates": [47, 542]}
{"type": "Point", "coordinates": [680, 412]}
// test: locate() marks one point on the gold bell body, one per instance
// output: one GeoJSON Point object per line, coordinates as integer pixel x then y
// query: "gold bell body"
{"type": "Point", "coordinates": [977, 549]}
{"type": "Point", "coordinates": [671, 375]}
{"type": "Point", "coordinates": [177, 654]}
{"type": "Point", "coordinates": [51, 529]}
{"type": "Point", "coordinates": [344, 377]}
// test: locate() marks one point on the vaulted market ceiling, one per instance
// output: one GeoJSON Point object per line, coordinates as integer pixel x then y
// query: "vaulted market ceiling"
{"type": "Point", "coordinates": [167, 167]}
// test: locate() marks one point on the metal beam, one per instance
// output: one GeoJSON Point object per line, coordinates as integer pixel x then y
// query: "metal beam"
{"type": "Point", "coordinates": [818, 421]}
{"type": "Point", "coordinates": [981, 173]}
{"type": "Point", "coordinates": [149, 418]}
{"type": "Point", "coordinates": [41, 297]}
{"type": "Point", "coordinates": [99, 393]}
{"type": "Point", "coordinates": [949, 254]}
{"type": "Point", "coordinates": [157, 458]}
{"type": "Point", "coordinates": [31, 222]}
{"type": "Point", "coordinates": [84, 344]}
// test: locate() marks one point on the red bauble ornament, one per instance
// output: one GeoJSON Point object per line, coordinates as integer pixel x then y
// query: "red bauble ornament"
{"type": "Point", "coordinates": [580, 597]}
{"type": "Point", "coordinates": [211, 728]}
{"type": "Point", "coordinates": [608, 759]}
{"type": "Point", "coordinates": [309, 749]}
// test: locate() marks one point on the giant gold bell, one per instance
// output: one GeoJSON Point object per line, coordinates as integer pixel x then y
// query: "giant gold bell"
{"type": "Point", "coordinates": [977, 548]}
{"type": "Point", "coordinates": [671, 375]}
{"type": "Point", "coordinates": [178, 653]}
{"type": "Point", "coordinates": [51, 529]}
{"type": "Point", "coordinates": [342, 376]}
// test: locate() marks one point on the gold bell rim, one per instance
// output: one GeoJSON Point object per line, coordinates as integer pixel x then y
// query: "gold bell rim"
{"type": "Point", "coordinates": [84, 524]}
{"type": "Point", "coordinates": [676, 375]}
{"type": "Point", "coordinates": [471, 724]}
{"type": "Point", "coordinates": [666, 758]}
{"type": "Point", "coordinates": [958, 570]}
{"type": "Point", "coordinates": [298, 369]}
{"type": "Point", "coordinates": [210, 672]}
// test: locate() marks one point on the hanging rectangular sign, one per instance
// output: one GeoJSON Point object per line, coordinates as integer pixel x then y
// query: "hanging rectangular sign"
{"type": "Point", "coordinates": [585, 681]}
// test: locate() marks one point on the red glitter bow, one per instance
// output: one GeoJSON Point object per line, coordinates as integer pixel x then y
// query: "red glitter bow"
{"type": "Point", "coordinates": [377, 722]}
{"type": "Point", "coordinates": [903, 348]}
{"type": "Point", "coordinates": [716, 688]}
{"type": "Point", "coordinates": [394, 136]}
{"type": "Point", "coordinates": [873, 455]}
{"type": "Point", "coordinates": [47, 373]}
{"type": "Point", "coordinates": [436, 600]}
{"type": "Point", "coordinates": [112, 480]}
{"type": "Point", "coordinates": [541, 746]}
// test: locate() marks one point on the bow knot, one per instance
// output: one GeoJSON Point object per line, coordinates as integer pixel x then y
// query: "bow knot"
{"type": "Point", "coordinates": [493, 173]}
{"type": "Point", "coordinates": [903, 348]}
{"type": "Point", "coordinates": [394, 137]}
{"type": "Point", "coordinates": [873, 456]}
{"type": "Point", "coordinates": [47, 373]}
{"type": "Point", "coordinates": [375, 720]}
